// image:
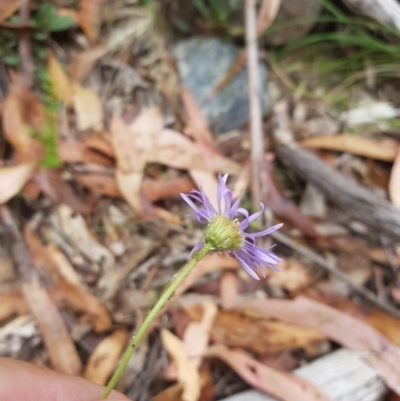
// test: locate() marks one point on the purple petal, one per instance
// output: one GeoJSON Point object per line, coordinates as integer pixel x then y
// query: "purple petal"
{"type": "Point", "coordinates": [265, 232]}
{"type": "Point", "coordinates": [221, 191]}
{"type": "Point", "coordinates": [234, 208]}
{"type": "Point", "coordinates": [196, 248]}
{"type": "Point", "coordinates": [245, 262]}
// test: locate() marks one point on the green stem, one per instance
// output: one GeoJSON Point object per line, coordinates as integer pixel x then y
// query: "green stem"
{"type": "Point", "coordinates": [169, 292]}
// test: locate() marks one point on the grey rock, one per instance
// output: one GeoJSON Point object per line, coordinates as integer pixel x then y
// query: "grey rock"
{"type": "Point", "coordinates": [202, 64]}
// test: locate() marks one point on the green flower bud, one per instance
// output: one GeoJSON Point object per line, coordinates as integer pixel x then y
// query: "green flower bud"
{"type": "Point", "coordinates": [223, 234]}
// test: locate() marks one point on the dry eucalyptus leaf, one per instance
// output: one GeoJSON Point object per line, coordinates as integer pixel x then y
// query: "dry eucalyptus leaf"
{"type": "Point", "coordinates": [351, 332]}
{"type": "Point", "coordinates": [285, 386]}
{"type": "Point", "coordinates": [262, 336]}
{"type": "Point", "coordinates": [293, 276]}
{"type": "Point", "coordinates": [188, 375]}
{"type": "Point", "coordinates": [74, 226]}
{"type": "Point", "coordinates": [88, 108]}
{"type": "Point", "coordinates": [61, 83]}
{"type": "Point", "coordinates": [197, 334]}
{"type": "Point", "coordinates": [103, 360]}
{"type": "Point", "coordinates": [357, 145]}
{"type": "Point", "coordinates": [13, 179]}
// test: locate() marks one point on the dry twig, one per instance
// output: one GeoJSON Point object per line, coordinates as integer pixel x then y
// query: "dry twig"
{"type": "Point", "coordinates": [257, 140]}
{"type": "Point", "coordinates": [320, 261]}
{"type": "Point", "coordinates": [353, 198]}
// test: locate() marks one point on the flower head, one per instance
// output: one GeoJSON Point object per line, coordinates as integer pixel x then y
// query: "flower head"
{"type": "Point", "coordinates": [225, 232]}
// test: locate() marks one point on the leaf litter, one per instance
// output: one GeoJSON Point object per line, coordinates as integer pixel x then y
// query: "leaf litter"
{"type": "Point", "coordinates": [104, 231]}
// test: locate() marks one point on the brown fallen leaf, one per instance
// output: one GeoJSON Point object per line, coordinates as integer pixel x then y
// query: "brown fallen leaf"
{"type": "Point", "coordinates": [104, 358]}
{"type": "Point", "coordinates": [99, 143]}
{"type": "Point", "coordinates": [378, 255]}
{"type": "Point", "coordinates": [72, 151]}
{"type": "Point", "coordinates": [197, 334]}
{"type": "Point", "coordinates": [394, 181]}
{"type": "Point", "coordinates": [62, 265]}
{"type": "Point", "coordinates": [64, 287]}
{"type": "Point", "coordinates": [13, 179]}
{"type": "Point", "coordinates": [74, 227]}
{"type": "Point", "coordinates": [285, 386]}
{"type": "Point", "coordinates": [8, 8]}
{"type": "Point", "coordinates": [229, 289]}
{"type": "Point", "coordinates": [156, 190]}
{"type": "Point", "coordinates": [197, 127]}
{"type": "Point", "coordinates": [89, 18]}
{"type": "Point", "coordinates": [53, 185]}
{"type": "Point", "coordinates": [166, 215]}
{"type": "Point", "coordinates": [351, 332]}
{"type": "Point", "coordinates": [293, 276]}
{"type": "Point", "coordinates": [174, 392]}
{"type": "Point", "coordinates": [386, 324]}
{"type": "Point", "coordinates": [12, 303]}
{"type": "Point", "coordinates": [357, 145]}
{"type": "Point", "coordinates": [63, 354]}
{"type": "Point", "coordinates": [61, 349]}
{"type": "Point", "coordinates": [187, 372]}
{"type": "Point", "coordinates": [132, 145]}
{"type": "Point", "coordinates": [129, 181]}
{"type": "Point", "coordinates": [175, 150]}
{"type": "Point", "coordinates": [83, 62]}
{"type": "Point", "coordinates": [171, 393]}
{"type": "Point", "coordinates": [23, 111]}
{"type": "Point", "coordinates": [88, 108]}
{"type": "Point", "coordinates": [61, 84]}
{"type": "Point", "coordinates": [100, 184]}
{"type": "Point", "coordinates": [265, 337]}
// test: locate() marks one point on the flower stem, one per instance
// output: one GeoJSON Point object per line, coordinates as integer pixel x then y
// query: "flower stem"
{"type": "Point", "coordinates": [168, 293]}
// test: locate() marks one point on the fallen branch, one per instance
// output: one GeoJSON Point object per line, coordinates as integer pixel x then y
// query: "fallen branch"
{"type": "Point", "coordinates": [356, 200]}
{"type": "Point", "coordinates": [322, 262]}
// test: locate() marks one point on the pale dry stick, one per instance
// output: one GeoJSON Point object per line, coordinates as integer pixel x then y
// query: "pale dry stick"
{"type": "Point", "coordinates": [266, 16]}
{"type": "Point", "coordinates": [258, 174]}
{"type": "Point", "coordinates": [257, 140]}
{"type": "Point", "coordinates": [322, 262]}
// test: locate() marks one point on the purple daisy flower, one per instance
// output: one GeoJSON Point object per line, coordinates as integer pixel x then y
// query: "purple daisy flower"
{"type": "Point", "coordinates": [226, 233]}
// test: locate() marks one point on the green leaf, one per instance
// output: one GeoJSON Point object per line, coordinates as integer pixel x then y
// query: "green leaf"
{"type": "Point", "coordinates": [202, 9]}
{"type": "Point", "coordinates": [11, 59]}
{"type": "Point", "coordinates": [181, 24]}
{"type": "Point", "coordinates": [61, 23]}
{"type": "Point", "coordinates": [47, 19]}
{"type": "Point", "coordinates": [41, 35]}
